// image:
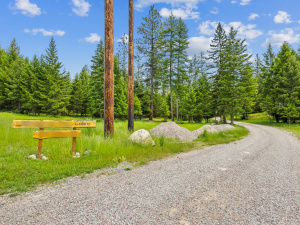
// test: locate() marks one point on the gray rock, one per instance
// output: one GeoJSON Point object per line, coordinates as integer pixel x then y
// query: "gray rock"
{"type": "Point", "coordinates": [142, 137]}
{"type": "Point", "coordinates": [32, 156]}
{"type": "Point", "coordinates": [87, 152]}
{"type": "Point", "coordinates": [213, 129]}
{"type": "Point", "coordinates": [173, 130]}
{"type": "Point", "coordinates": [77, 155]}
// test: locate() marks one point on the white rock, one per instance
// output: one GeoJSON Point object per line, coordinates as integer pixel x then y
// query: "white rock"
{"type": "Point", "coordinates": [77, 155]}
{"type": "Point", "coordinates": [142, 137]}
{"type": "Point", "coordinates": [44, 158]}
{"type": "Point", "coordinates": [213, 129]}
{"type": "Point", "coordinates": [173, 130]}
{"type": "Point", "coordinates": [32, 156]}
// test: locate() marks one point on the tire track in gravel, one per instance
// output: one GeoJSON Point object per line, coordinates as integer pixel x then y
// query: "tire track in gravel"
{"type": "Point", "coordinates": [251, 181]}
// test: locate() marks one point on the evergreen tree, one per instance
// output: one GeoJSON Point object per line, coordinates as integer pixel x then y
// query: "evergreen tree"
{"type": "Point", "coordinates": [56, 104]}
{"type": "Point", "coordinates": [189, 104]}
{"type": "Point", "coordinates": [164, 110]}
{"type": "Point", "coordinates": [181, 43]}
{"type": "Point", "coordinates": [217, 55]}
{"type": "Point", "coordinates": [147, 45]}
{"type": "Point", "coordinates": [168, 47]}
{"type": "Point", "coordinates": [14, 77]}
{"type": "Point", "coordinates": [137, 107]}
{"type": "Point", "coordinates": [204, 101]}
{"type": "Point", "coordinates": [4, 65]}
{"type": "Point", "coordinates": [96, 85]}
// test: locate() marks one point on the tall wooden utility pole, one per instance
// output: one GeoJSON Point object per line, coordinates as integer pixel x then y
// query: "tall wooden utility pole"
{"type": "Point", "coordinates": [130, 71]}
{"type": "Point", "coordinates": [109, 70]}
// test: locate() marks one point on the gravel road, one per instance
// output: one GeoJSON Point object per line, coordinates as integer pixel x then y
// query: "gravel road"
{"type": "Point", "coordinates": [252, 181]}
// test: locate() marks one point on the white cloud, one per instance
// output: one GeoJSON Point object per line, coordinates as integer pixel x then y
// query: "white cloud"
{"type": "Point", "coordinates": [277, 39]}
{"type": "Point", "coordinates": [242, 2]}
{"type": "Point", "coordinates": [282, 17]}
{"type": "Point", "coordinates": [175, 3]}
{"type": "Point", "coordinates": [244, 31]}
{"type": "Point", "coordinates": [92, 38]}
{"type": "Point", "coordinates": [185, 14]}
{"type": "Point", "coordinates": [45, 32]}
{"type": "Point", "coordinates": [124, 37]}
{"type": "Point", "coordinates": [81, 7]}
{"type": "Point", "coordinates": [27, 8]}
{"type": "Point", "coordinates": [245, 2]}
{"type": "Point", "coordinates": [253, 16]}
{"type": "Point", "coordinates": [214, 10]}
{"type": "Point", "coordinates": [198, 44]}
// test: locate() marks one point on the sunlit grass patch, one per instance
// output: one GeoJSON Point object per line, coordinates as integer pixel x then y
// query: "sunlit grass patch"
{"type": "Point", "coordinates": [19, 174]}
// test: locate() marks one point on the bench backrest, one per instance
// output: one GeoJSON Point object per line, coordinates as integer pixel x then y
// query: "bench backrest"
{"type": "Point", "coordinates": [54, 123]}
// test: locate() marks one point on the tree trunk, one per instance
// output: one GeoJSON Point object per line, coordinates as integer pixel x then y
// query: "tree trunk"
{"type": "Point", "coordinates": [152, 87]}
{"type": "Point", "coordinates": [224, 119]}
{"type": "Point", "coordinates": [177, 111]}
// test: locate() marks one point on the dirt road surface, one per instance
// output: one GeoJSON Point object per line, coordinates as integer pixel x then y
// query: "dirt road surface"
{"type": "Point", "coordinates": [252, 181]}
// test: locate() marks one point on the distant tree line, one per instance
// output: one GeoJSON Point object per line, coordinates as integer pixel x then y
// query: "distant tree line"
{"type": "Point", "coordinates": [168, 84]}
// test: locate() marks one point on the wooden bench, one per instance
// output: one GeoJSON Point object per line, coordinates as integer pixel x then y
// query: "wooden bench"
{"type": "Point", "coordinates": [42, 134]}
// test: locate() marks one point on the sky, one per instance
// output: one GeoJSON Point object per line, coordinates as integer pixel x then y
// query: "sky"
{"type": "Point", "coordinates": [78, 25]}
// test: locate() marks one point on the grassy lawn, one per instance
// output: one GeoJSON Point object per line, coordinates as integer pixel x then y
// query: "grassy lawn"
{"type": "Point", "coordinates": [263, 119]}
{"type": "Point", "coordinates": [19, 174]}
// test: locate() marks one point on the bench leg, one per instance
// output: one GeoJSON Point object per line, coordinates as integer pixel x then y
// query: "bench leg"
{"type": "Point", "coordinates": [39, 156]}
{"type": "Point", "coordinates": [74, 144]}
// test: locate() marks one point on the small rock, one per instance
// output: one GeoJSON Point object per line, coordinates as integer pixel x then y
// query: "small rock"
{"type": "Point", "coordinates": [142, 137]}
{"type": "Point", "coordinates": [77, 155]}
{"type": "Point", "coordinates": [87, 152]}
{"type": "Point", "coordinates": [44, 158]}
{"type": "Point", "coordinates": [32, 157]}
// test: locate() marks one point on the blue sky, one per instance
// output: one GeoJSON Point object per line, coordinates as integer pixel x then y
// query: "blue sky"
{"type": "Point", "coordinates": [77, 25]}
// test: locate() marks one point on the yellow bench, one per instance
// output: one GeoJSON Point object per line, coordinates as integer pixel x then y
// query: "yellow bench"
{"type": "Point", "coordinates": [41, 134]}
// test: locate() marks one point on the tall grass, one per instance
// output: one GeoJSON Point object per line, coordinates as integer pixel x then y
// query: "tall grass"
{"type": "Point", "coordinates": [18, 173]}
{"type": "Point", "coordinates": [263, 119]}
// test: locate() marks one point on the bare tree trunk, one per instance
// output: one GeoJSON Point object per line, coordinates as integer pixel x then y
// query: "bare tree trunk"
{"type": "Point", "coordinates": [109, 70]}
{"type": "Point", "coordinates": [130, 71]}
{"type": "Point", "coordinates": [224, 119]}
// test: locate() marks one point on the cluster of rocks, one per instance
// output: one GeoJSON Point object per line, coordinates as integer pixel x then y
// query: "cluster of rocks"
{"type": "Point", "coordinates": [77, 155]}
{"type": "Point", "coordinates": [34, 157]}
{"type": "Point", "coordinates": [173, 130]}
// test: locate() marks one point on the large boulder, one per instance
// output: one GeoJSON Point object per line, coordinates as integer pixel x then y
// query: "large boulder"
{"type": "Point", "coordinates": [142, 137]}
{"type": "Point", "coordinates": [213, 129]}
{"type": "Point", "coordinates": [173, 130]}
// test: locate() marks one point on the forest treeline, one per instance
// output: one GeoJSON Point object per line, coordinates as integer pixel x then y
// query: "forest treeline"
{"type": "Point", "coordinates": [168, 84]}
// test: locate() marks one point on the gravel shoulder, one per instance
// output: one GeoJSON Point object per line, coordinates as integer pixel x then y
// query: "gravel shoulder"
{"type": "Point", "coordinates": [251, 181]}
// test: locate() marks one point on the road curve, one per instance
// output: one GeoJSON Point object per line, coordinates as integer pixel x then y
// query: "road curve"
{"type": "Point", "coordinates": [252, 181]}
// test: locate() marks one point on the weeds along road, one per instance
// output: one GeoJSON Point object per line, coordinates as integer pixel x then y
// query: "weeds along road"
{"type": "Point", "coordinates": [252, 181]}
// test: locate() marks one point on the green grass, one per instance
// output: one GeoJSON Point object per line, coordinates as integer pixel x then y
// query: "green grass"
{"type": "Point", "coordinates": [263, 119]}
{"type": "Point", "coordinates": [223, 137]}
{"type": "Point", "coordinates": [19, 174]}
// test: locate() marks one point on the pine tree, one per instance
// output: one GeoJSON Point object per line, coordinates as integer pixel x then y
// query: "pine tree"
{"type": "Point", "coordinates": [181, 43]}
{"type": "Point", "coordinates": [76, 100]}
{"type": "Point", "coordinates": [121, 106]}
{"type": "Point", "coordinates": [14, 77]}
{"type": "Point", "coordinates": [123, 53]}
{"type": "Point", "coordinates": [147, 45]}
{"type": "Point", "coordinates": [137, 107]}
{"type": "Point", "coordinates": [204, 101]}
{"type": "Point", "coordinates": [4, 64]}
{"type": "Point", "coordinates": [55, 79]}
{"type": "Point", "coordinates": [217, 55]}
{"type": "Point", "coordinates": [168, 47]}
{"type": "Point", "coordinates": [164, 110]}
{"type": "Point", "coordinates": [96, 86]}
{"type": "Point", "coordinates": [189, 104]}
